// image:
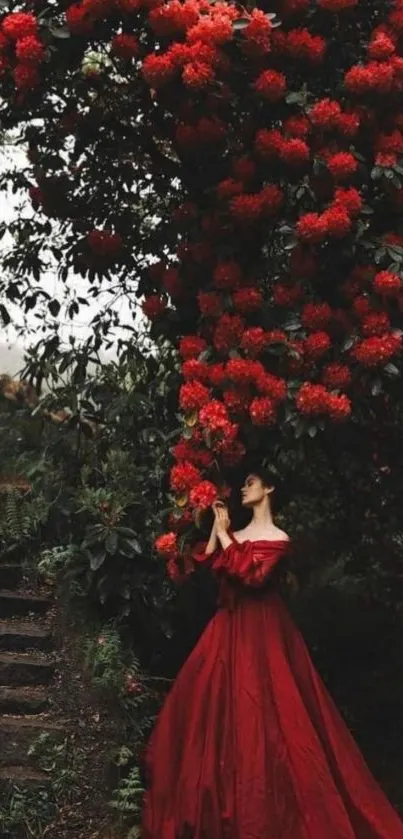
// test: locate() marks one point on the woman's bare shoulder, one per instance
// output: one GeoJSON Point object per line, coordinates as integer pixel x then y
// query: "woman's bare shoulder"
{"type": "Point", "coordinates": [281, 534]}
{"type": "Point", "coordinates": [274, 534]}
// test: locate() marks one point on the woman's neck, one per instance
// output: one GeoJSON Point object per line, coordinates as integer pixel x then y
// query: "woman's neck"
{"type": "Point", "coordinates": [262, 516]}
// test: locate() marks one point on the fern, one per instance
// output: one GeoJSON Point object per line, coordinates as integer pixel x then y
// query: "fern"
{"type": "Point", "coordinates": [128, 795]}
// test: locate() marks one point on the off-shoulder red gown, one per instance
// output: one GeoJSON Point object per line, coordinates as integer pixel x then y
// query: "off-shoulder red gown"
{"type": "Point", "coordinates": [249, 744]}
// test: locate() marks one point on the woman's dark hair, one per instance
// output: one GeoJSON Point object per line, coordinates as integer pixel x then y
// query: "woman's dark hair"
{"type": "Point", "coordinates": [268, 476]}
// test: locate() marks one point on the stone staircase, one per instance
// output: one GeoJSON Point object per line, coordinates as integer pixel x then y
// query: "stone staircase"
{"type": "Point", "coordinates": [27, 667]}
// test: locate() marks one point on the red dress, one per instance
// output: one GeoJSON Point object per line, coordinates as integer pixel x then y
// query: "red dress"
{"type": "Point", "coordinates": [249, 744]}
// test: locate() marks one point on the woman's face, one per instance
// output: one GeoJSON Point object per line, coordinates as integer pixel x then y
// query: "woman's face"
{"type": "Point", "coordinates": [253, 491]}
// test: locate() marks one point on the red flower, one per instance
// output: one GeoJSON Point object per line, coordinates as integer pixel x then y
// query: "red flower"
{"type": "Point", "coordinates": [258, 31]}
{"type": "Point", "coordinates": [233, 452]}
{"type": "Point", "coordinates": [79, 19]}
{"type": "Point", "coordinates": [272, 386]}
{"type": "Point", "coordinates": [158, 70]}
{"type": "Point", "coordinates": [375, 76]}
{"type": "Point", "coordinates": [210, 304]}
{"type": "Point", "coordinates": [317, 345]}
{"type": "Point", "coordinates": [337, 375]}
{"type": "Point", "coordinates": [229, 188]}
{"type": "Point", "coordinates": [217, 374]}
{"type": "Point", "coordinates": [295, 152]}
{"type": "Point", "coordinates": [193, 395]}
{"type": "Point", "coordinates": [125, 45]}
{"type": "Point", "coordinates": [381, 46]}
{"type": "Point", "coordinates": [228, 332]}
{"type": "Point", "coordinates": [154, 306]}
{"type": "Point", "coordinates": [19, 25]}
{"type": "Point", "coordinates": [246, 209]}
{"type": "Point", "coordinates": [174, 574]}
{"type": "Point", "coordinates": [338, 221]}
{"type": "Point", "coordinates": [236, 401]}
{"type": "Point", "coordinates": [197, 75]}
{"type": "Point", "coordinates": [184, 476]}
{"type": "Point", "coordinates": [226, 438]}
{"type": "Point", "coordinates": [316, 315]}
{"type": "Point", "coordinates": [173, 17]}
{"type": "Point", "coordinates": [325, 113]}
{"type": "Point", "coordinates": [387, 284]}
{"type": "Point", "coordinates": [191, 346]}
{"type": "Point", "coordinates": [386, 159]}
{"type": "Point", "coordinates": [350, 199]}
{"type": "Point", "coordinates": [269, 143]}
{"type": "Point", "coordinates": [348, 123]}
{"type": "Point", "coordinates": [312, 227]}
{"type": "Point", "coordinates": [247, 300]}
{"type": "Point", "coordinates": [203, 495]}
{"type": "Point", "coordinates": [361, 306]}
{"type": "Point", "coordinates": [271, 199]}
{"type": "Point", "coordinates": [242, 370]}
{"type": "Point", "coordinates": [186, 450]}
{"type": "Point", "coordinates": [297, 126]}
{"type": "Point", "coordinates": [375, 323]}
{"type": "Point", "coordinates": [299, 43]}
{"type": "Point", "coordinates": [372, 352]}
{"type": "Point", "coordinates": [342, 165]}
{"type": "Point", "coordinates": [272, 85]}
{"type": "Point", "coordinates": [167, 545]}
{"type": "Point", "coordinates": [227, 275]}
{"type": "Point", "coordinates": [29, 50]}
{"type": "Point", "coordinates": [312, 400]}
{"type": "Point", "coordinates": [262, 411]}
{"type": "Point", "coordinates": [338, 407]}
{"type": "Point", "coordinates": [214, 415]}
{"type": "Point", "coordinates": [26, 76]}
{"type": "Point", "coordinates": [216, 30]}
{"type": "Point", "coordinates": [254, 340]}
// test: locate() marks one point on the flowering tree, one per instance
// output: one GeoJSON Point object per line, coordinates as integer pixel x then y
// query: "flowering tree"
{"type": "Point", "coordinates": [257, 156]}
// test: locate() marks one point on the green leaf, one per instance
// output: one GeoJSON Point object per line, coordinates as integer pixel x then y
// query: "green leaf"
{"type": "Point", "coordinates": [60, 31]}
{"type": "Point", "coordinates": [111, 542]}
{"type": "Point", "coordinates": [97, 560]}
{"type": "Point", "coordinates": [392, 370]}
{"type": "Point", "coordinates": [54, 307]}
{"type": "Point", "coordinates": [4, 315]}
{"type": "Point", "coordinates": [376, 387]}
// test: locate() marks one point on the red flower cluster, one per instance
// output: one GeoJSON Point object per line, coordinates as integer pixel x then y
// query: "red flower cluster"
{"type": "Point", "coordinates": [315, 400]}
{"type": "Point", "coordinates": [203, 495]}
{"type": "Point", "coordinates": [377, 350]}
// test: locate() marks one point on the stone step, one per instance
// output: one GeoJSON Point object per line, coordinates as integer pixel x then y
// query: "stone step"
{"type": "Point", "coordinates": [24, 635]}
{"type": "Point", "coordinates": [11, 575]}
{"type": "Point", "coordinates": [13, 603]}
{"type": "Point", "coordinates": [23, 700]}
{"type": "Point", "coordinates": [17, 734]}
{"type": "Point", "coordinates": [25, 668]}
{"type": "Point", "coordinates": [24, 778]}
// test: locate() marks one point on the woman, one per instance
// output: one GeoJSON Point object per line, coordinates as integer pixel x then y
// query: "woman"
{"type": "Point", "coordinates": [249, 745]}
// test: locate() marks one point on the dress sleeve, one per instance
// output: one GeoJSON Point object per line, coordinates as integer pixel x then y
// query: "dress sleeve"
{"type": "Point", "coordinates": [248, 562]}
{"type": "Point", "coordinates": [199, 554]}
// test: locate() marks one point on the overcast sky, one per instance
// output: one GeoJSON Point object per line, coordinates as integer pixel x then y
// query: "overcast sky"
{"type": "Point", "coordinates": [12, 345]}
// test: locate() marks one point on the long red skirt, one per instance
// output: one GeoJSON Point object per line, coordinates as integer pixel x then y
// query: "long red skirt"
{"type": "Point", "coordinates": [249, 744]}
